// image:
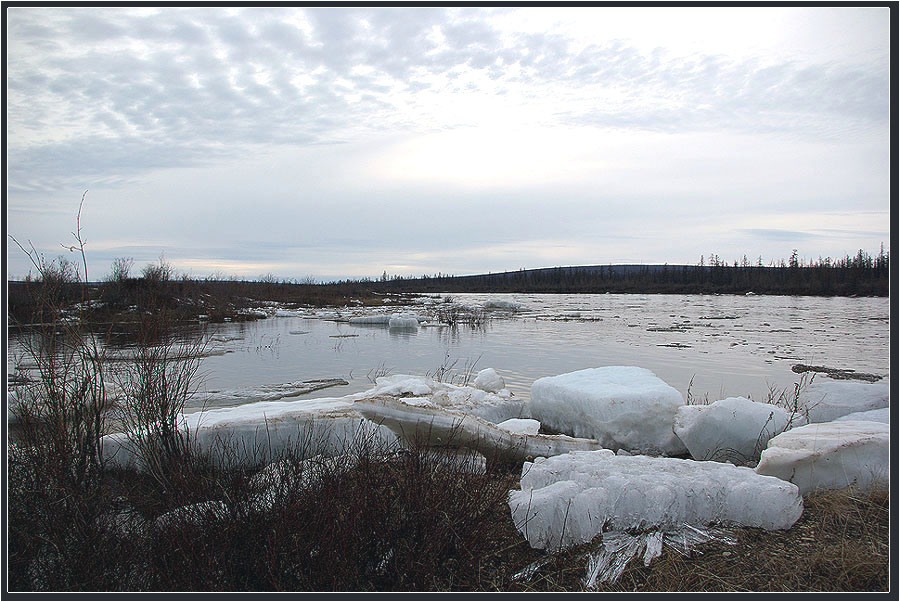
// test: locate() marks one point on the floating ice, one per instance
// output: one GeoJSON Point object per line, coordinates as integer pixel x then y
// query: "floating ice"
{"type": "Point", "coordinates": [824, 401]}
{"type": "Point", "coordinates": [830, 455]}
{"type": "Point", "coordinates": [500, 304]}
{"type": "Point", "coordinates": [427, 424]}
{"type": "Point", "coordinates": [374, 319]}
{"type": "Point", "coordinates": [879, 415]}
{"type": "Point", "coordinates": [403, 321]}
{"type": "Point", "coordinates": [734, 430]}
{"type": "Point", "coordinates": [621, 406]}
{"type": "Point", "coordinates": [488, 380]}
{"type": "Point", "coordinates": [569, 499]}
{"type": "Point", "coordinates": [272, 392]}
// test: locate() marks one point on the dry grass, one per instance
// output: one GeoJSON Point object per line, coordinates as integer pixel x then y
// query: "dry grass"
{"type": "Point", "coordinates": [841, 543]}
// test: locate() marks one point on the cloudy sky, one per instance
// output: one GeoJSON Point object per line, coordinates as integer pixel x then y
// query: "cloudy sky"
{"type": "Point", "coordinates": [344, 142]}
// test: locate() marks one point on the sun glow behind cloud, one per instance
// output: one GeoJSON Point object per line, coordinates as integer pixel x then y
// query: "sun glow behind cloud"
{"type": "Point", "coordinates": [492, 156]}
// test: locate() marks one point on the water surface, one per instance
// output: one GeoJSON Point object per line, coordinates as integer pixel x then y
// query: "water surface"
{"type": "Point", "coordinates": [718, 345]}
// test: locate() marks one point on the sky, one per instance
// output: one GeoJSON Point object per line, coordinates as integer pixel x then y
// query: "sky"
{"type": "Point", "coordinates": [332, 143]}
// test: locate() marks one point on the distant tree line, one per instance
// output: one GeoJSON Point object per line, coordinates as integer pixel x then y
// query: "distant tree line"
{"type": "Point", "coordinates": [862, 274]}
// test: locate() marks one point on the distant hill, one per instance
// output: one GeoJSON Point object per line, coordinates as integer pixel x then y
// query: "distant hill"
{"type": "Point", "coordinates": [860, 275]}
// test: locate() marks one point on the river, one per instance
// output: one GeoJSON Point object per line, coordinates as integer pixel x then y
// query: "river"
{"type": "Point", "coordinates": [706, 346]}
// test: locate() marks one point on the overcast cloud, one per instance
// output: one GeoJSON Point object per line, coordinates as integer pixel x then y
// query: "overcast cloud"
{"type": "Point", "coordinates": [341, 142]}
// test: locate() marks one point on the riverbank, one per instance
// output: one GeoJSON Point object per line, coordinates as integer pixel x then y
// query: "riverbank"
{"type": "Point", "coordinates": [404, 523]}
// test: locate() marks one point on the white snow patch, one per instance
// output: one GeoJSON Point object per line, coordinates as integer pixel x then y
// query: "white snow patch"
{"type": "Point", "coordinates": [734, 430]}
{"type": "Point", "coordinates": [569, 499]}
{"type": "Point", "coordinates": [830, 455]}
{"type": "Point", "coordinates": [621, 406]}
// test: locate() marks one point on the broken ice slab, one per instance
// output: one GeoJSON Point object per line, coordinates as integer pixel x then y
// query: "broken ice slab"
{"type": "Point", "coordinates": [570, 499]}
{"type": "Point", "coordinates": [824, 401]}
{"type": "Point", "coordinates": [492, 406]}
{"type": "Point", "coordinates": [617, 549]}
{"type": "Point", "coordinates": [733, 430]}
{"type": "Point", "coordinates": [620, 406]}
{"type": "Point", "coordinates": [417, 420]}
{"type": "Point", "coordinates": [831, 455]}
{"type": "Point", "coordinates": [264, 431]}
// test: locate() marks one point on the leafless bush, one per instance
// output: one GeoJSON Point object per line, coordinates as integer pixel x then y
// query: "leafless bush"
{"type": "Point", "coordinates": [59, 418]}
{"type": "Point", "coordinates": [121, 269]}
{"type": "Point", "coordinates": [156, 384]}
{"type": "Point", "coordinates": [162, 271]}
{"type": "Point", "coordinates": [789, 400]}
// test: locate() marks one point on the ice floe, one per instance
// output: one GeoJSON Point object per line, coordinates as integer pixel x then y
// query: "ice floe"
{"type": "Point", "coordinates": [830, 455]}
{"type": "Point", "coordinates": [502, 305]}
{"type": "Point", "coordinates": [620, 406]}
{"type": "Point", "coordinates": [733, 430]}
{"type": "Point", "coordinates": [403, 321]}
{"type": "Point", "coordinates": [271, 392]}
{"type": "Point", "coordinates": [372, 319]}
{"type": "Point", "coordinates": [569, 499]}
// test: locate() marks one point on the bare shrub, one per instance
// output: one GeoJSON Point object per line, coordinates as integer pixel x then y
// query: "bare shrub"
{"type": "Point", "coordinates": [162, 271]}
{"type": "Point", "coordinates": [55, 460]}
{"type": "Point", "coordinates": [156, 384]}
{"type": "Point", "coordinates": [121, 269]}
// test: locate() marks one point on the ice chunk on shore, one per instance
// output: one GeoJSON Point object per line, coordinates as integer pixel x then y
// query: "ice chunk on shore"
{"type": "Point", "coordinates": [830, 455]}
{"type": "Point", "coordinates": [494, 407]}
{"type": "Point", "coordinates": [569, 499]}
{"type": "Point", "coordinates": [733, 430]}
{"type": "Point", "coordinates": [880, 415]}
{"type": "Point", "coordinates": [488, 380]}
{"type": "Point", "coordinates": [620, 406]}
{"type": "Point", "coordinates": [827, 400]}
{"type": "Point", "coordinates": [264, 431]}
{"type": "Point", "coordinates": [525, 426]}
{"type": "Point", "coordinates": [427, 424]}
